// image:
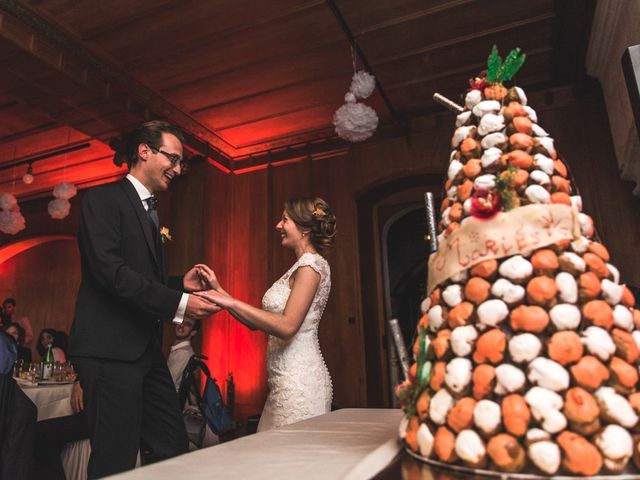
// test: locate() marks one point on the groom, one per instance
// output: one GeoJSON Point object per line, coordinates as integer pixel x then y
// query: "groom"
{"type": "Point", "coordinates": [124, 295]}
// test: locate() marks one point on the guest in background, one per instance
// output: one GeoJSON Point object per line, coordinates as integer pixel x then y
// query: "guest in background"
{"type": "Point", "coordinates": [48, 337]}
{"type": "Point", "coordinates": [181, 350]}
{"type": "Point", "coordinates": [17, 332]}
{"type": "Point", "coordinates": [9, 316]}
{"type": "Point", "coordinates": [17, 417]}
{"type": "Point", "coordinates": [53, 434]}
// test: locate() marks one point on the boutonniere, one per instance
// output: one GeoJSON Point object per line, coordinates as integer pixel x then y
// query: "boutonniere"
{"type": "Point", "coordinates": [165, 235]}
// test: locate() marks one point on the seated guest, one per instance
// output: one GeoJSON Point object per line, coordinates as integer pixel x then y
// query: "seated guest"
{"type": "Point", "coordinates": [9, 316]}
{"type": "Point", "coordinates": [181, 350]}
{"type": "Point", "coordinates": [53, 434]}
{"type": "Point", "coordinates": [17, 332]}
{"type": "Point", "coordinates": [17, 417]}
{"type": "Point", "coordinates": [48, 336]}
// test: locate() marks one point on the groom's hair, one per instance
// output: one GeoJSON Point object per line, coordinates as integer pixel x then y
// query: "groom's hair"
{"type": "Point", "coordinates": [149, 133]}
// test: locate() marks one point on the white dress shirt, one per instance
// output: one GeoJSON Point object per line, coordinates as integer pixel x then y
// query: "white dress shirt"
{"type": "Point", "coordinates": [144, 193]}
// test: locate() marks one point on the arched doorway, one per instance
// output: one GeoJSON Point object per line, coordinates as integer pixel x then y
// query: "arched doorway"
{"type": "Point", "coordinates": [391, 232]}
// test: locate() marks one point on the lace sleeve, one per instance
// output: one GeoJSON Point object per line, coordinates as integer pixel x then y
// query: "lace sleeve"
{"type": "Point", "coordinates": [315, 261]}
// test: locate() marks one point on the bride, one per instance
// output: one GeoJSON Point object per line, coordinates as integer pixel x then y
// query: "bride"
{"type": "Point", "coordinates": [299, 382]}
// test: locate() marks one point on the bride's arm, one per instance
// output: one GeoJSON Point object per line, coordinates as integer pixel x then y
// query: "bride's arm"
{"type": "Point", "coordinates": [284, 325]}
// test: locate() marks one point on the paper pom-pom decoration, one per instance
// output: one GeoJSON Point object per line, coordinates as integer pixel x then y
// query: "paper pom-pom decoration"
{"type": "Point", "coordinates": [59, 208]}
{"type": "Point", "coordinates": [65, 190]}
{"type": "Point", "coordinates": [11, 220]}
{"type": "Point", "coordinates": [362, 84]}
{"type": "Point", "coordinates": [355, 122]}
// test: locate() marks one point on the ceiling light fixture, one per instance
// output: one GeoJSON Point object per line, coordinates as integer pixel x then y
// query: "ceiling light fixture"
{"type": "Point", "coordinates": [27, 178]}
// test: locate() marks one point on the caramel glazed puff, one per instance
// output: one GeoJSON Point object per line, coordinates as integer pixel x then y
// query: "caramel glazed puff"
{"type": "Point", "coordinates": [535, 356]}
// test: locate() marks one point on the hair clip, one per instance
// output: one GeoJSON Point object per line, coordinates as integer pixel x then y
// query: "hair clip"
{"type": "Point", "coordinates": [319, 212]}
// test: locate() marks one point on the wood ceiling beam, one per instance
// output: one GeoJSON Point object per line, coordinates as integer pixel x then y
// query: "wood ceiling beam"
{"type": "Point", "coordinates": [69, 61]}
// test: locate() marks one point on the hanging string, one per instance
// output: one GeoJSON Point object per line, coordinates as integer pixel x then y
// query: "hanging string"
{"type": "Point", "coordinates": [354, 57]}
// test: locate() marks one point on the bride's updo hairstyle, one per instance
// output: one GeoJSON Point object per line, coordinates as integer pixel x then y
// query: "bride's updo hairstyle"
{"type": "Point", "coordinates": [149, 133]}
{"type": "Point", "coordinates": [314, 214]}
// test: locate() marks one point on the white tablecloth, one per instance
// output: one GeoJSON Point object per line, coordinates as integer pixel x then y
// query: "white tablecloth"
{"type": "Point", "coordinates": [345, 444]}
{"type": "Point", "coordinates": [53, 401]}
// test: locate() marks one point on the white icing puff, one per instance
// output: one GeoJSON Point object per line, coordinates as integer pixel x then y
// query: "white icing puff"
{"type": "Point", "coordinates": [544, 163]}
{"type": "Point", "coordinates": [636, 337]}
{"type": "Point", "coordinates": [622, 317]}
{"type": "Point", "coordinates": [611, 292]}
{"type": "Point", "coordinates": [485, 182]}
{"type": "Point", "coordinates": [521, 95]}
{"type": "Point", "coordinates": [402, 428]}
{"type": "Point", "coordinates": [490, 156]}
{"type": "Point", "coordinates": [547, 143]}
{"type": "Point", "coordinates": [545, 406]}
{"type": "Point", "coordinates": [580, 245]}
{"type": "Point", "coordinates": [545, 455]}
{"type": "Point", "coordinates": [615, 274]}
{"type": "Point", "coordinates": [461, 276]}
{"type": "Point", "coordinates": [516, 268]}
{"type": "Point", "coordinates": [507, 291]}
{"type": "Point", "coordinates": [537, 194]}
{"type": "Point", "coordinates": [539, 177]}
{"type": "Point", "coordinates": [425, 440]}
{"type": "Point", "coordinates": [548, 374]}
{"type": "Point", "coordinates": [492, 312]}
{"type": "Point", "coordinates": [462, 118]}
{"type": "Point", "coordinates": [487, 106]}
{"type": "Point", "coordinates": [459, 135]}
{"type": "Point", "coordinates": [487, 416]}
{"type": "Point", "coordinates": [470, 447]}
{"type": "Point", "coordinates": [454, 168]}
{"type": "Point", "coordinates": [567, 287]}
{"type": "Point", "coordinates": [436, 318]}
{"type": "Point", "coordinates": [458, 374]}
{"type": "Point", "coordinates": [490, 123]}
{"type": "Point", "coordinates": [472, 98]}
{"type": "Point", "coordinates": [492, 140]}
{"type": "Point", "coordinates": [509, 379]}
{"type": "Point", "coordinates": [598, 342]}
{"type": "Point", "coordinates": [439, 406]}
{"type": "Point", "coordinates": [452, 295]}
{"type": "Point", "coordinates": [616, 407]}
{"type": "Point", "coordinates": [531, 113]}
{"type": "Point", "coordinates": [586, 225]}
{"type": "Point", "coordinates": [538, 131]}
{"type": "Point", "coordinates": [462, 339]}
{"type": "Point", "coordinates": [536, 435]}
{"type": "Point", "coordinates": [571, 261]}
{"type": "Point", "coordinates": [425, 305]}
{"type": "Point", "coordinates": [524, 347]}
{"type": "Point", "coordinates": [565, 316]}
{"type": "Point", "coordinates": [616, 446]}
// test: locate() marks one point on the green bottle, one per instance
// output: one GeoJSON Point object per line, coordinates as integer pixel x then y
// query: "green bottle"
{"type": "Point", "coordinates": [47, 364]}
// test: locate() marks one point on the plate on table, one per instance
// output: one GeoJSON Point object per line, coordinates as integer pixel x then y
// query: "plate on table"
{"type": "Point", "coordinates": [24, 383]}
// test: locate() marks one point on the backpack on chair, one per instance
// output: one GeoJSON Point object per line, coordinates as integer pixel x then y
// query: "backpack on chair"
{"type": "Point", "coordinates": [209, 404]}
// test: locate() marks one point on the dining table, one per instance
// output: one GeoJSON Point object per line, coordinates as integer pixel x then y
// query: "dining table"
{"type": "Point", "coordinates": [53, 400]}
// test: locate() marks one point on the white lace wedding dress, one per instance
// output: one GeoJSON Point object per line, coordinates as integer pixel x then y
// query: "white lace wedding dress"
{"type": "Point", "coordinates": [299, 382]}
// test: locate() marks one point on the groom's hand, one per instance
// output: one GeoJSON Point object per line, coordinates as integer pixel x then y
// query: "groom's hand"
{"type": "Point", "coordinates": [199, 308]}
{"type": "Point", "coordinates": [193, 282]}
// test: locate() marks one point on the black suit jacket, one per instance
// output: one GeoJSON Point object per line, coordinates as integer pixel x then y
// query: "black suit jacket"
{"type": "Point", "coordinates": [124, 289]}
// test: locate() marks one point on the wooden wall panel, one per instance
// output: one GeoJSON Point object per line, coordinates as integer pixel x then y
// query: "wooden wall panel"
{"type": "Point", "coordinates": [44, 281]}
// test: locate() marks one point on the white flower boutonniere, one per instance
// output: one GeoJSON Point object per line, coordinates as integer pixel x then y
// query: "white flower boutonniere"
{"type": "Point", "coordinates": [165, 235]}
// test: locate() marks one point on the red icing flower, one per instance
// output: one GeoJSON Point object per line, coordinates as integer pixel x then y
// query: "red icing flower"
{"type": "Point", "coordinates": [479, 82]}
{"type": "Point", "coordinates": [485, 204]}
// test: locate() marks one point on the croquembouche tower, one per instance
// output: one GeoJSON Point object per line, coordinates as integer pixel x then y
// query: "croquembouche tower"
{"type": "Point", "coordinates": [526, 358]}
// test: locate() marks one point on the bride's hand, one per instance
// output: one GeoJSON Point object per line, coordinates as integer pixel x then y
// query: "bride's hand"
{"type": "Point", "coordinates": [208, 276]}
{"type": "Point", "coordinates": [222, 299]}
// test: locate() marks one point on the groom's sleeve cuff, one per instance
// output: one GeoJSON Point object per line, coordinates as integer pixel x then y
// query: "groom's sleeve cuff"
{"type": "Point", "coordinates": [182, 306]}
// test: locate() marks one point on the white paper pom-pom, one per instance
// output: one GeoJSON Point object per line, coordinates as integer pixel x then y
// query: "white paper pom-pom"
{"type": "Point", "coordinates": [8, 202]}
{"type": "Point", "coordinates": [65, 190]}
{"type": "Point", "coordinates": [59, 208]}
{"type": "Point", "coordinates": [11, 222]}
{"type": "Point", "coordinates": [355, 122]}
{"type": "Point", "coordinates": [362, 84]}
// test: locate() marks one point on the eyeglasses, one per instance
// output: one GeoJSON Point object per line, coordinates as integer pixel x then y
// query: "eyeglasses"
{"type": "Point", "coordinates": [174, 158]}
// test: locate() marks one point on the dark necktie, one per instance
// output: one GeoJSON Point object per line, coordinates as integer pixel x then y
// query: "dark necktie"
{"type": "Point", "coordinates": [152, 203]}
